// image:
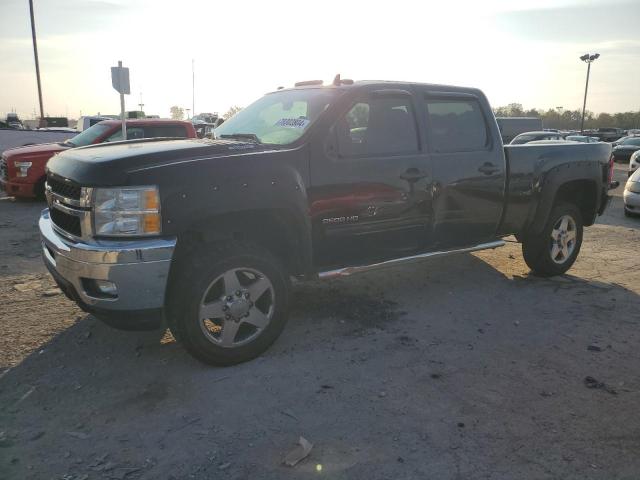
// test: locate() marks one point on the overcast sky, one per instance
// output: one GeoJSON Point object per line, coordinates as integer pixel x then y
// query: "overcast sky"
{"type": "Point", "coordinates": [522, 51]}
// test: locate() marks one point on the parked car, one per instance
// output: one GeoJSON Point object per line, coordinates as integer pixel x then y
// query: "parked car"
{"type": "Point", "coordinates": [634, 162]}
{"type": "Point", "coordinates": [23, 168]}
{"type": "Point", "coordinates": [622, 152]}
{"type": "Point", "coordinates": [581, 139]}
{"type": "Point", "coordinates": [511, 127]}
{"type": "Point", "coordinates": [13, 121]}
{"type": "Point", "coordinates": [308, 182]}
{"type": "Point", "coordinates": [622, 139]}
{"type": "Point", "coordinates": [533, 136]}
{"type": "Point", "coordinates": [631, 195]}
{"type": "Point", "coordinates": [608, 134]}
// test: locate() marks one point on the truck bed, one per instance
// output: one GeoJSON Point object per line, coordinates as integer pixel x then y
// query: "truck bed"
{"type": "Point", "coordinates": [530, 168]}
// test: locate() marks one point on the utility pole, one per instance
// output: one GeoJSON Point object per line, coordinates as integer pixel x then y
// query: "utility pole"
{"type": "Point", "coordinates": [589, 59]}
{"type": "Point", "coordinates": [193, 86]}
{"type": "Point", "coordinates": [35, 56]}
{"type": "Point", "coordinates": [141, 104]}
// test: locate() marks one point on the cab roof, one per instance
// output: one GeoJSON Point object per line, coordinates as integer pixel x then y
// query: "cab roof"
{"type": "Point", "coordinates": [348, 84]}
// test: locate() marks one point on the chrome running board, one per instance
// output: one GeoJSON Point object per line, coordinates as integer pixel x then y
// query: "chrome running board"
{"type": "Point", "coordinates": [347, 271]}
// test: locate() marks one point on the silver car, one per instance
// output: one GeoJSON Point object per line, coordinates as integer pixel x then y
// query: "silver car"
{"type": "Point", "coordinates": [634, 162]}
{"type": "Point", "coordinates": [581, 139]}
{"type": "Point", "coordinates": [632, 195]}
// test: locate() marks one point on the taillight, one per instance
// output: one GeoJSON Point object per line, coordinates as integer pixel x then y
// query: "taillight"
{"type": "Point", "coordinates": [610, 177]}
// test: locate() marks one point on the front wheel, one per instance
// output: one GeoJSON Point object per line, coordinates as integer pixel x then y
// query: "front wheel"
{"type": "Point", "coordinates": [555, 249]}
{"type": "Point", "coordinates": [228, 302]}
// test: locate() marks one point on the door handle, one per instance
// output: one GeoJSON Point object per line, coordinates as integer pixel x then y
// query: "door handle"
{"type": "Point", "coordinates": [413, 174]}
{"type": "Point", "coordinates": [488, 168]}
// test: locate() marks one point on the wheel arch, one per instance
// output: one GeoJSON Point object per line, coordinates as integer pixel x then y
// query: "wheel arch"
{"type": "Point", "coordinates": [281, 231]}
{"type": "Point", "coordinates": [582, 192]}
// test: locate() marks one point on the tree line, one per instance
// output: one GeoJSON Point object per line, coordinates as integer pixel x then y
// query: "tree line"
{"type": "Point", "coordinates": [570, 119]}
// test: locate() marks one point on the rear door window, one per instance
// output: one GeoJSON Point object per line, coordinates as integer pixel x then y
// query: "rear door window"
{"type": "Point", "coordinates": [155, 131]}
{"type": "Point", "coordinates": [456, 125]}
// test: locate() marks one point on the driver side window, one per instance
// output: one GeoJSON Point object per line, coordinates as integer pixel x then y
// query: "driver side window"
{"type": "Point", "coordinates": [377, 127]}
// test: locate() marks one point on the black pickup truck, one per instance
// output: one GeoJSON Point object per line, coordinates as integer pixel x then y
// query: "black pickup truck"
{"type": "Point", "coordinates": [308, 182]}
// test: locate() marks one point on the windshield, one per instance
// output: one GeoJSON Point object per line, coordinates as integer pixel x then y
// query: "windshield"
{"type": "Point", "coordinates": [278, 118]}
{"type": "Point", "coordinates": [632, 141]}
{"type": "Point", "coordinates": [88, 136]}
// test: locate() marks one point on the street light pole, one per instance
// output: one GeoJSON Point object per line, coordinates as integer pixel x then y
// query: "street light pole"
{"type": "Point", "coordinates": [35, 55]}
{"type": "Point", "coordinates": [193, 86]}
{"type": "Point", "coordinates": [589, 59]}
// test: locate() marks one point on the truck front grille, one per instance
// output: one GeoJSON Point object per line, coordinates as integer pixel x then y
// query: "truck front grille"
{"type": "Point", "coordinates": [64, 189]}
{"type": "Point", "coordinates": [4, 173]}
{"type": "Point", "coordinates": [66, 222]}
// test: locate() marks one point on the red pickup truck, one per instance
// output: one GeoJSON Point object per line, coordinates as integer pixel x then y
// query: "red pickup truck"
{"type": "Point", "coordinates": [22, 169]}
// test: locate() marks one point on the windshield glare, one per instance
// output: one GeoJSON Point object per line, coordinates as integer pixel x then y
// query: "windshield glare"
{"type": "Point", "coordinates": [88, 136]}
{"type": "Point", "coordinates": [279, 118]}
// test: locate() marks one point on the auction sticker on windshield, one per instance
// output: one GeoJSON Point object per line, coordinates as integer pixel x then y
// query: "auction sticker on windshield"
{"type": "Point", "coordinates": [292, 123]}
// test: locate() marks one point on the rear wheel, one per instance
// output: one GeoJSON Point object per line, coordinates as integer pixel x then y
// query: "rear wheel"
{"type": "Point", "coordinates": [555, 249]}
{"type": "Point", "coordinates": [228, 302]}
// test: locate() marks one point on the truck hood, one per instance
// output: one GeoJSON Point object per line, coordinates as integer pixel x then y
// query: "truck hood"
{"type": "Point", "coordinates": [35, 151]}
{"type": "Point", "coordinates": [109, 164]}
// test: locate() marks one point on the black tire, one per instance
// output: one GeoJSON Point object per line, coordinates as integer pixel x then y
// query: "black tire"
{"type": "Point", "coordinates": [192, 281]}
{"type": "Point", "coordinates": [38, 189]}
{"type": "Point", "coordinates": [537, 249]}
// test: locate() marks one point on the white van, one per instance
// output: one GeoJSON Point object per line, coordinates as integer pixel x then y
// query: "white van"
{"type": "Point", "coordinates": [90, 121]}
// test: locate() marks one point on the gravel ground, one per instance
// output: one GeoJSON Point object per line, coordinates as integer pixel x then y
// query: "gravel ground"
{"type": "Point", "coordinates": [458, 368]}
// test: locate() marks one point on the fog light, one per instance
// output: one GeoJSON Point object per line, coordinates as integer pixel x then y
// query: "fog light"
{"type": "Point", "coordinates": [107, 288]}
{"type": "Point", "coordinates": [100, 288]}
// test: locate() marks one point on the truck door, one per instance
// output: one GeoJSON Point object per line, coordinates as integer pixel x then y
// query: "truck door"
{"type": "Point", "coordinates": [468, 168]}
{"type": "Point", "coordinates": [370, 182]}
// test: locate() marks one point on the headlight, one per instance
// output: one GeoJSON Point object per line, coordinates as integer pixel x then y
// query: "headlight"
{"type": "Point", "coordinates": [22, 168]}
{"type": "Point", "coordinates": [633, 187]}
{"type": "Point", "coordinates": [126, 211]}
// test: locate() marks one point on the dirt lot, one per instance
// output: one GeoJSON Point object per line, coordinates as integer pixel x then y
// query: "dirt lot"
{"type": "Point", "coordinates": [460, 368]}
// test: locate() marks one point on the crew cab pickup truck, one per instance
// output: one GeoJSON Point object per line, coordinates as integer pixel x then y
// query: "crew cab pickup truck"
{"type": "Point", "coordinates": [22, 171]}
{"type": "Point", "coordinates": [308, 182]}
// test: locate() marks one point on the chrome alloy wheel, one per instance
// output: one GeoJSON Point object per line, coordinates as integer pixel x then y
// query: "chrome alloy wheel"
{"type": "Point", "coordinates": [563, 239]}
{"type": "Point", "coordinates": [236, 307]}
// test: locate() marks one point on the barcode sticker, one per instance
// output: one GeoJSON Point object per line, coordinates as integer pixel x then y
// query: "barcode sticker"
{"type": "Point", "coordinates": [292, 123]}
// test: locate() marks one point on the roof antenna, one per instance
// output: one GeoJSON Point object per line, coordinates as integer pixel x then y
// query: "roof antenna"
{"type": "Point", "coordinates": [336, 80]}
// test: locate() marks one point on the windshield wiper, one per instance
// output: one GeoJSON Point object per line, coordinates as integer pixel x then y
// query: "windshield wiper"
{"type": "Point", "coordinates": [242, 136]}
{"type": "Point", "coordinates": [68, 142]}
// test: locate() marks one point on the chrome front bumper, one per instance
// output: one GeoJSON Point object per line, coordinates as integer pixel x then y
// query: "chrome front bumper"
{"type": "Point", "coordinates": [138, 268]}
